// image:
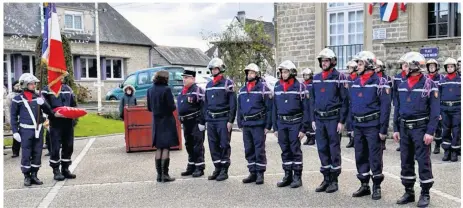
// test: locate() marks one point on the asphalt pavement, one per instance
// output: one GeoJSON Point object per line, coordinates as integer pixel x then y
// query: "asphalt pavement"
{"type": "Point", "coordinates": [107, 176]}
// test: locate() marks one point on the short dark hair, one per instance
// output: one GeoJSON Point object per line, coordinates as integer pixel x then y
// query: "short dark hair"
{"type": "Point", "coordinates": [161, 77]}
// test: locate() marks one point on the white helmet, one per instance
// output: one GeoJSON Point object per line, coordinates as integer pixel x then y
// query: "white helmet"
{"type": "Point", "coordinates": [352, 64]}
{"type": "Point", "coordinates": [459, 59]}
{"type": "Point", "coordinates": [289, 65]}
{"type": "Point", "coordinates": [216, 63]}
{"type": "Point", "coordinates": [432, 61]}
{"type": "Point", "coordinates": [449, 61]}
{"type": "Point", "coordinates": [327, 53]}
{"type": "Point", "coordinates": [368, 58]}
{"type": "Point", "coordinates": [252, 67]}
{"type": "Point", "coordinates": [26, 79]}
{"type": "Point", "coordinates": [416, 62]}
{"type": "Point", "coordinates": [381, 65]}
{"type": "Point", "coordinates": [307, 71]}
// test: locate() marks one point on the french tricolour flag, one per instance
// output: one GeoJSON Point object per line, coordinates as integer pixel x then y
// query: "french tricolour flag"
{"type": "Point", "coordinates": [52, 49]}
{"type": "Point", "coordinates": [388, 12]}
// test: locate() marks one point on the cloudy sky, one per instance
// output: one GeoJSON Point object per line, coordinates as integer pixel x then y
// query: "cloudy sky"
{"type": "Point", "coordinates": [181, 24]}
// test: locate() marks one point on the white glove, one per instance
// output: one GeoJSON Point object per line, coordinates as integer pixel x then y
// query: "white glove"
{"type": "Point", "coordinates": [17, 137]}
{"type": "Point", "coordinates": [201, 127]}
{"type": "Point", "coordinates": [40, 101]}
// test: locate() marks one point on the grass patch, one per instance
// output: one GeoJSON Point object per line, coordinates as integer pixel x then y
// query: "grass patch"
{"type": "Point", "coordinates": [94, 125]}
{"type": "Point", "coordinates": [8, 142]}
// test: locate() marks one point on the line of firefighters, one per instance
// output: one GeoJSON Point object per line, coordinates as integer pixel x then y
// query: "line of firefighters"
{"type": "Point", "coordinates": [319, 108]}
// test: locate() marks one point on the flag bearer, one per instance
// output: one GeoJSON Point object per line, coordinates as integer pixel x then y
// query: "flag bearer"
{"type": "Point", "coordinates": [190, 104]}
{"type": "Point", "coordinates": [399, 78]}
{"type": "Point", "coordinates": [330, 102]}
{"type": "Point", "coordinates": [417, 114]}
{"type": "Point", "coordinates": [370, 105]}
{"type": "Point", "coordinates": [220, 112]}
{"type": "Point", "coordinates": [290, 122]}
{"type": "Point", "coordinates": [308, 77]}
{"type": "Point", "coordinates": [381, 72]}
{"type": "Point", "coordinates": [27, 129]}
{"type": "Point", "coordinates": [450, 107]}
{"type": "Point", "coordinates": [352, 69]}
{"type": "Point", "coordinates": [255, 118]}
{"type": "Point", "coordinates": [61, 132]}
{"type": "Point", "coordinates": [433, 73]}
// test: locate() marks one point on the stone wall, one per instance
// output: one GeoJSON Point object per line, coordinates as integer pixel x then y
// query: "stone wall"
{"type": "Point", "coordinates": [296, 33]}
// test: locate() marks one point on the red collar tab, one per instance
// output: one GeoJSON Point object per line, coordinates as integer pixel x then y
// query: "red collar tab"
{"type": "Point", "coordinates": [413, 80]}
{"type": "Point", "coordinates": [326, 73]}
{"type": "Point", "coordinates": [365, 76]}
{"type": "Point", "coordinates": [217, 78]}
{"type": "Point", "coordinates": [250, 85]}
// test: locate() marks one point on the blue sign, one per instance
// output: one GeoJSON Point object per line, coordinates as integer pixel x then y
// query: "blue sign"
{"type": "Point", "coordinates": [430, 52]}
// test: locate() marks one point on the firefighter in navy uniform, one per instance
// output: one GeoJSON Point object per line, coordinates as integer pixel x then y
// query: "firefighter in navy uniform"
{"type": "Point", "coordinates": [370, 106]}
{"type": "Point", "coordinates": [399, 78]}
{"type": "Point", "coordinates": [450, 107]}
{"type": "Point", "coordinates": [61, 132]}
{"type": "Point", "coordinates": [330, 109]}
{"type": "Point", "coordinates": [255, 119]}
{"type": "Point", "coordinates": [189, 105]}
{"type": "Point", "coordinates": [307, 74]}
{"type": "Point", "coordinates": [26, 129]}
{"type": "Point", "coordinates": [352, 69]}
{"type": "Point", "coordinates": [432, 67]}
{"type": "Point", "coordinates": [417, 113]}
{"type": "Point", "coordinates": [459, 65]}
{"type": "Point", "coordinates": [381, 72]}
{"type": "Point", "coordinates": [290, 122]}
{"type": "Point", "coordinates": [220, 112]}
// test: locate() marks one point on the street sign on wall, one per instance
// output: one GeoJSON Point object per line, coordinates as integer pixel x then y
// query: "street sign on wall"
{"type": "Point", "coordinates": [430, 52]}
{"type": "Point", "coordinates": [379, 34]}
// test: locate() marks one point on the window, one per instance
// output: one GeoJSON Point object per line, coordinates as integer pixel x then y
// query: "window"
{"type": "Point", "coordinates": [345, 30]}
{"type": "Point", "coordinates": [28, 64]}
{"type": "Point", "coordinates": [175, 74]}
{"type": "Point", "coordinates": [143, 78]}
{"type": "Point", "coordinates": [444, 20]}
{"type": "Point", "coordinates": [130, 80]}
{"type": "Point", "coordinates": [73, 20]}
{"type": "Point", "coordinates": [88, 68]}
{"type": "Point", "coordinates": [114, 69]}
{"type": "Point", "coordinates": [200, 72]}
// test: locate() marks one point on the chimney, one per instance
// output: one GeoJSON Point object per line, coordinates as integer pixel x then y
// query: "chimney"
{"type": "Point", "coordinates": [241, 17]}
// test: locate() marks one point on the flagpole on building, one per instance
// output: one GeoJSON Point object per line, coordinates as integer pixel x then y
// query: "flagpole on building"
{"type": "Point", "coordinates": [98, 66]}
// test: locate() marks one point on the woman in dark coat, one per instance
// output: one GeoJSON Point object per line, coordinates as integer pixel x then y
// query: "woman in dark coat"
{"type": "Point", "coordinates": [161, 104]}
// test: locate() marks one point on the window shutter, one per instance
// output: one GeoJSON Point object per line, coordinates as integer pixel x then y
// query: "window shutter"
{"type": "Point", "coordinates": [103, 68]}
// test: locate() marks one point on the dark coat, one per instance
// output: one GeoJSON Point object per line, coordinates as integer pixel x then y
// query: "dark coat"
{"type": "Point", "coordinates": [161, 104]}
{"type": "Point", "coordinates": [129, 100]}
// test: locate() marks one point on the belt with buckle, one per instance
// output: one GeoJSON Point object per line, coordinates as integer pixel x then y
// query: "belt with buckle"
{"type": "Point", "coordinates": [450, 103]}
{"type": "Point", "coordinates": [254, 117]}
{"type": "Point", "coordinates": [414, 123]}
{"type": "Point", "coordinates": [218, 114]}
{"type": "Point", "coordinates": [189, 116]}
{"type": "Point", "coordinates": [290, 118]}
{"type": "Point", "coordinates": [334, 112]}
{"type": "Point", "coordinates": [369, 117]}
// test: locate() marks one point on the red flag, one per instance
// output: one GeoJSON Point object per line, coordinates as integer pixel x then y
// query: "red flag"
{"type": "Point", "coordinates": [403, 7]}
{"type": "Point", "coordinates": [370, 8]}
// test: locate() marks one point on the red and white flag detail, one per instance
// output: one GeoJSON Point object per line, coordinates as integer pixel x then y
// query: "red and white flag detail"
{"type": "Point", "coordinates": [388, 12]}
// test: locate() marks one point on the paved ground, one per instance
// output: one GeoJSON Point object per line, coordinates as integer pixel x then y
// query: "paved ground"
{"type": "Point", "coordinates": [109, 177]}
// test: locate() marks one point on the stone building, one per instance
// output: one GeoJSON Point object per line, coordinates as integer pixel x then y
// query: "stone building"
{"type": "Point", "coordinates": [304, 29]}
{"type": "Point", "coordinates": [188, 58]}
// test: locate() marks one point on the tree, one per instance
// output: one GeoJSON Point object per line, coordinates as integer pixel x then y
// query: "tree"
{"type": "Point", "coordinates": [42, 68]}
{"type": "Point", "coordinates": [241, 45]}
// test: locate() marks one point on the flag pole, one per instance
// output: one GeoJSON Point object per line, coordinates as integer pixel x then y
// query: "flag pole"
{"type": "Point", "coordinates": [97, 44]}
{"type": "Point", "coordinates": [42, 13]}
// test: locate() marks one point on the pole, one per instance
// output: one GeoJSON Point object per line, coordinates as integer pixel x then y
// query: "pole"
{"type": "Point", "coordinates": [40, 68]}
{"type": "Point", "coordinates": [97, 42]}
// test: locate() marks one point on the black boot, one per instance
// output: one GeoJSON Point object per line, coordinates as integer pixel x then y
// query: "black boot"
{"type": "Point", "coordinates": [376, 192]}
{"type": "Point", "coordinates": [425, 198]}
{"type": "Point", "coordinates": [322, 187]}
{"type": "Point", "coordinates": [383, 143]}
{"type": "Point", "coordinates": [397, 149]}
{"type": "Point", "coordinates": [333, 187]}
{"type": "Point", "coordinates": [57, 174]}
{"type": "Point", "coordinates": [454, 156]}
{"type": "Point", "coordinates": [159, 170]}
{"type": "Point", "coordinates": [351, 141]}
{"type": "Point", "coordinates": [223, 174]}
{"type": "Point", "coordinates": [307, 140]}
{"type": "Point", "coordinates": [409, 196]}
{"type": "Point", "coordinates": [214, 174]}
{"type": "Point", "coordinates": [260, 178]}
{"type": "Point", "coordinates": [446, 155]}
{"type": "Point", "coordinates": [436, 149]}
{"type": "Point", "coordinates": [66, 173]}
{"type": "Point", "coordinates": [364, 190]}
{"type": "Point", "coordinates": [27, 179]}
{"type": "Point", "coordinates": [189, 170]}
{"type": "Point", "coordinates": [251, 178]}
{"type": "Point", "coordinates": [287, 179]}
{"type": "Point", "coordinates": [198, 172]}
{"type": "Point", "coordinates": [34, 179]}
{"type": "Point", "coordinates": [312, 139]}
{"type": "Point", "coordinates": [297, 182]}
{"type": "Point", "coordinates": [15, 155]}
{"type": "Point", "coordinates": [165, 171]}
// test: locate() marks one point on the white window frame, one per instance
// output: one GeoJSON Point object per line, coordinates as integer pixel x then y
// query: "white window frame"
{"type": "Point", "coordinates": [86, 69]}
{"type": "Point", "coordinates": [10, 75]}
{"type": "Point", "coordinates": [345, 9]}
{"type": "Point", "coordinates": [112, 65]}
{"type": "Point", "coordinates": [31, 66]}
{"type": "Point", "coordinates": [74, 14]}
